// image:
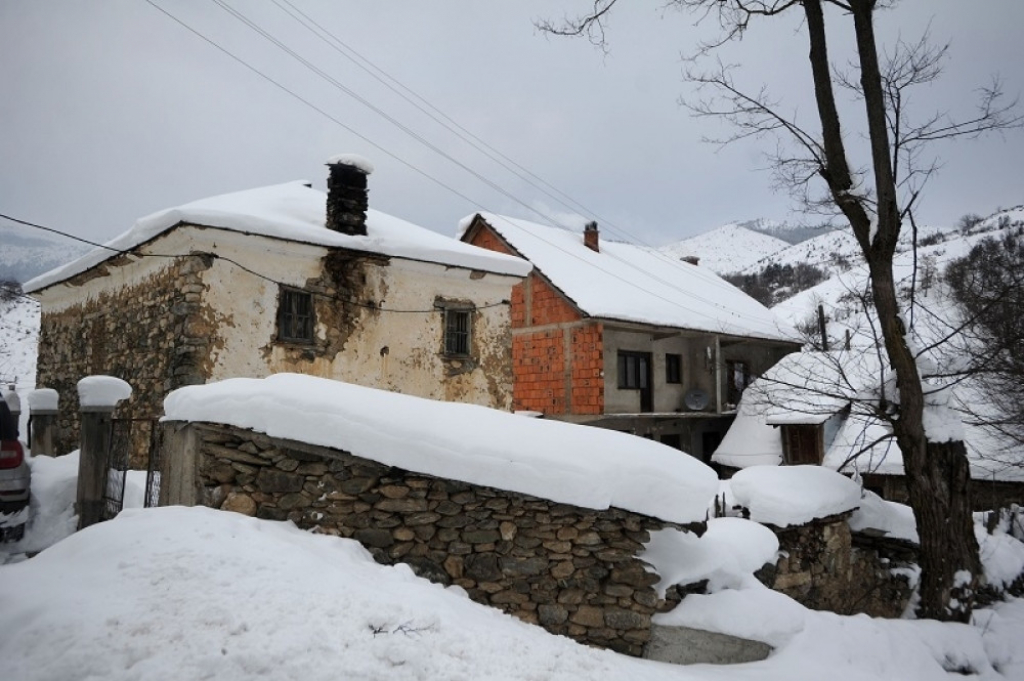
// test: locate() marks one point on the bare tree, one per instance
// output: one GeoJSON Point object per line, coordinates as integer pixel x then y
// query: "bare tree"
{"type": "Point", "coordinates": [988, 284]}
{"type": "Point", "coordinates": [875, 202]}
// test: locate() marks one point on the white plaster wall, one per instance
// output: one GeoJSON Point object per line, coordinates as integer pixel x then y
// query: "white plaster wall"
{"type": "Point", "coordinates": [243, 307]}
{"type": "Point", "coordinates": [246, 307]}
{"type": "Point", "coordinates": [668, 397]}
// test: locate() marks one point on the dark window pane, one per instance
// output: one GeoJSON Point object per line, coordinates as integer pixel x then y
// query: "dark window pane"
{"type": "Point", "coordinates": [295, 316]}
{"type": "Point", "coordinates": [673, 369]}
{"type": "Point", "coordinates": [456, 332]}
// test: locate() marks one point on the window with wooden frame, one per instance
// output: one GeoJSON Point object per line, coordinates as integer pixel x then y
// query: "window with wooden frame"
{"type": "Point", "coordinates": [673, 368]}
{"type": "Point", "coordinates": [295, 322]}
{"type": "Point", "coordinates": [458, 330]}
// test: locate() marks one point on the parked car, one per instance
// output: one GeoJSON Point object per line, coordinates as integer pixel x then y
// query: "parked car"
{"type": "Point", "coordinates": [15, 479]}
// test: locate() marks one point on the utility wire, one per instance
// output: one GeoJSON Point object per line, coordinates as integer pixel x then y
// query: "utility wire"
{"type": "Point", "coordinates": [282, 87]}
{"type": "Point", "coordinates": [245, 268]}
{"type": "Point", "coordinates": [451, 124]}
{"type": "Point", "coordinates": [433, 112]}
{"type": "Point", "coordinates": [331, 80]}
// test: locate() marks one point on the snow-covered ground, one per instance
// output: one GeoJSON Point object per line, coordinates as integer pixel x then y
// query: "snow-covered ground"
{"type": "Point", "coordinates": [193, 593]}
{"type": "Point", "coordinates": [19, 339]}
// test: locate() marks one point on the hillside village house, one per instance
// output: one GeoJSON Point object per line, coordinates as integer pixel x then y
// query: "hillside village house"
{"type": "Point", "coordinates": [624, 337]}
{"type": "Point", "coordinates": [280, 279]}
{"type": "Point", "coordinates": [815, 408]}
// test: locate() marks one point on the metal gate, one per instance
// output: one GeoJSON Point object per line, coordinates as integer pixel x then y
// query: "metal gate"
{"type": "Point", "coordinates": [117, 466]}
{"type": "Point", "coordinates": [152, 497]}
{"type": "Point", "coordinates": [119, 463]}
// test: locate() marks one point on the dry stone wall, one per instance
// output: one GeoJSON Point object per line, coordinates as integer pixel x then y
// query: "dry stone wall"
{"type": "Point", "coordinates": [570, 570]}
{"type": "Point", "coordinates": [824, 568]}
{"type": "Point", "coordinates": [140, 333]}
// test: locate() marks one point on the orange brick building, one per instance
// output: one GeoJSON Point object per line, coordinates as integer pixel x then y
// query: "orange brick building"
{"type": "Point", "coordinates": [618, 336]}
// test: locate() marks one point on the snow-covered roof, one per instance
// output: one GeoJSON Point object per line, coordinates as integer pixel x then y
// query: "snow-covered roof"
{"type": "Point", "coordinates": [811, 387]}
{"type": "Point", "coordinates": [801, 388]}
{"type": "Point", "coordinates": [637, 284]}
{"type": "Point", "coordinates": [295, 212]}
{"type": "Point", "coordinates": [572, 464]}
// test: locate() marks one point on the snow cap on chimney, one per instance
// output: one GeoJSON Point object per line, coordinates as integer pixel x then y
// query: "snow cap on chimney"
{"type": "Point", "coordinates": [347, 196]}
{"type": "Point", "coordinates": [591, 237]}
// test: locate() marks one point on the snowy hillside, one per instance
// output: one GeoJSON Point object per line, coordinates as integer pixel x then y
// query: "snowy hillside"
{"type": "Point", "coordinates": [19, 337]}
{"type": "Point", "coordinates": [26, 254]}
{"type": "Point", "coordinates": [836, 251]}
{"type": "Point", "coordinates": [729, 248]}
{"type": "Point", "coordinates": [851, 274]}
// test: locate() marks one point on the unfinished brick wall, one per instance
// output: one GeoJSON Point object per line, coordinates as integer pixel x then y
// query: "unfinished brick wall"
{"type": "Point", "coordinates": [558, 368]}
{"type": "Point", "coordinates": [538, 368]}
{"type": "Point", "coordinates": [588, 369]}
{"type": "Point", "coordinates": [546, 305]}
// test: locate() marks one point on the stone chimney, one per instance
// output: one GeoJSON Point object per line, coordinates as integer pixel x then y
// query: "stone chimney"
{"type": "Point", "coordinates": [591, 238]}
{"type": "Point", "coordinates": [692, 259]}
{"type": "Point", "coordinates": [347, 194]}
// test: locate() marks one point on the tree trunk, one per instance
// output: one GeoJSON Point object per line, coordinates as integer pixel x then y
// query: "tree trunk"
{"type": "Point", "coordinates": [937, 474]}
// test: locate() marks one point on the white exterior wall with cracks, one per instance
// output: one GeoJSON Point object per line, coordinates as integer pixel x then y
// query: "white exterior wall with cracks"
{"type": "Point", "coordinates": [390, 350]}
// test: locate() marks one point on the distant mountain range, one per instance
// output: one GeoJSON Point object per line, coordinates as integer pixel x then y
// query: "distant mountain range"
{"type": "Point", "coordinates": [25, 254]}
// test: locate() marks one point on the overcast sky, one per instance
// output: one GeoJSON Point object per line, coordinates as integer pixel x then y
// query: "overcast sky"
{"type": "Point", "coordinates": [111, 110]}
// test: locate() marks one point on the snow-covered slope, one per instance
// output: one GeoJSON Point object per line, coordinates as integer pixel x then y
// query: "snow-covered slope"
{"type": "Point", "coordinates": [26, 253]}
{"type": "Point", "coordinates": [19, 337]}
{"type": "Point", "coordinates": [850, 275]}
{"type": "Point", "coordinates": [729, 248]}
{"type": "Point", "coordinates": [837, 250]}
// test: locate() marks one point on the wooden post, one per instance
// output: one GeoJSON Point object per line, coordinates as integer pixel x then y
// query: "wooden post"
{"type": "Point", "coordinates": [98, 396]}
{"type": "Point", "coordinates": [42, 422]}
{"type": "Point", "coordinates": [94, 461]}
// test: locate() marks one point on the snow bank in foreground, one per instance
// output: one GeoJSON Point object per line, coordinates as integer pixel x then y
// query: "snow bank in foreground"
{"type": "Point", "coordinates": [726, 555]}
{"type": "Point", "coordinates": [793, 495]}
{"type": "Point", "coordinates": [588, 467]}
{"type": "Point", "coordinates": [189, 593]}
{"type": "Point", "coordinates": [175, 593]}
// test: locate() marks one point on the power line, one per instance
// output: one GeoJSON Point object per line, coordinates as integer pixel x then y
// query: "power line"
{"type": "Point", "coordinates": [467, 137]}
{"type": "Point", "coordinates": [284, 88]}
{"type": "Point", "coordinates": [451, 125]}
{"type": "Point", "coordinates": [245, 268]}
{"type": "Point", "coordinates": [377, 110]}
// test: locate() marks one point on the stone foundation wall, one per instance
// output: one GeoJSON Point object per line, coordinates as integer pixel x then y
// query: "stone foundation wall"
{"type": "Point", "coordinates": [571, 570]}
{"type": "Point", "coordinates": [823, 569]}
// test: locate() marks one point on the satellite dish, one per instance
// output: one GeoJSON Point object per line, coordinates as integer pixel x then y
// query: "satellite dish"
{"type": "Point", "coordinates": [696, 399]}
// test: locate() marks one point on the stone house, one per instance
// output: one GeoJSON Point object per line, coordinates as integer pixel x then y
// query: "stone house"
{"type": "Point", "coordinates": [624, 337]}
{"type": "Point", "coordinates": [279, 279]}
{"type": "Point", "coordinates": [815, 408]}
